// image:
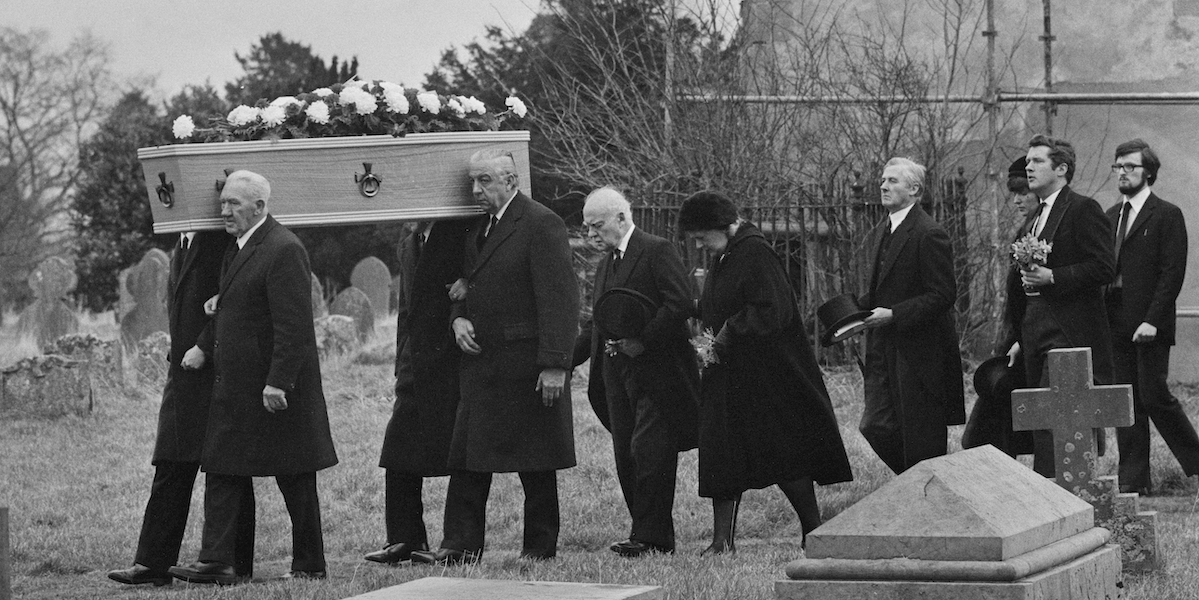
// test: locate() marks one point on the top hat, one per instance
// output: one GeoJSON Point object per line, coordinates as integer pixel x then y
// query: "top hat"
{"type": "Point", "coordinates": [994, 379]}
{"type": "Point", "coordinates": [623, 313]}
{"type": "Point", "coordinates": [840, 318]}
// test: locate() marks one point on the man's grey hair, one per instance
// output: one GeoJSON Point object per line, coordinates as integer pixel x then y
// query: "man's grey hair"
{"type": "Point", "coordinates": [610, 201]}
{"type": "Point", "coordinates": [494, 156]}
{"type": "Point", "coordinates": [910, 171]}
{"type": "Point", "coordinates": [256, 185]}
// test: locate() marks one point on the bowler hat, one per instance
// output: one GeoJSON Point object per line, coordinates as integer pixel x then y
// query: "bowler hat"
{"type": "Point", "coordinates": [990, 420]}
{"type": "Point", "coordinates": [840, 317]}
{"type": "Point", "coordinates": [623, 313]}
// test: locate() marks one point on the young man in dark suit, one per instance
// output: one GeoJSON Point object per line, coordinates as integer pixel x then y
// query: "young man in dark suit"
{"type": "Point", "coordinates": [417, 442]}
{"type": "Point", "coordinates": [515, 321]}
{"type": "Point", "coordinates": [913, 368]}
{"type": "Point", "coordinates": [1063, 307]}
{"type": "Point", "coordinates": [268, 416]}
{"type": "Point", "coordinates": [183, 417]}
{"type": "Point", "coordinates": [1151, 258]}
{"type": "Point", "coordinates": [644, 387]}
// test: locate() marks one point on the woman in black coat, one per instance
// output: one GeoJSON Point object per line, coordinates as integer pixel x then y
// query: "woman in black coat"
{"type": "Point", "coordinates": [765, 414]}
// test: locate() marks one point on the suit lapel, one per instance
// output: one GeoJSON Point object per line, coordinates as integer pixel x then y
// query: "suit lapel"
{"type": "Point", "coordinates": [247, 252]}
{"type": "Point", "coordinates": [628, 262]}
{"type": "Point", "coordinates": [899, 237]}
{"type": "Point", "coordinates": [189, 258]}
{"type": "Point", "coordinates": [1143, 215]}
{"type": "Point", "coordinates": [1064, 199]}
{"type": "Point", "coordinates": [503, 228]}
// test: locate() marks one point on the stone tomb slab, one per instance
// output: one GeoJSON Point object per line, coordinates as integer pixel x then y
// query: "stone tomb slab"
{"type": "Point", "coordinates": [457, 588]}
{"type": "Point", "coordinates": [974, 505]}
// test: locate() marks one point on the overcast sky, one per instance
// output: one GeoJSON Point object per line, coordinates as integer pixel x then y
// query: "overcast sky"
{"type": "Point", "coordinates": [185, 42]}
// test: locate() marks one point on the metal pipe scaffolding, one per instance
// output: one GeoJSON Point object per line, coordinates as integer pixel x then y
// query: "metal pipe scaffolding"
{"type": "Point", "coordinates": [1152, 98]}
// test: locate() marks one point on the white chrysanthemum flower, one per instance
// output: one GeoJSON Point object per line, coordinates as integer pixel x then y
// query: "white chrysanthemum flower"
{"type": "Point", "coordinates": [473, 104]}
{"type": "Point", "coordinates": [429, 101]}
{"type": "Point", "coordinates": [274, 115]}
{"type": "Point", "coordinates": [322, 92]}
{"type": "Point", "coordinates": [364, 102]}
{"type": "Point", "coordinates": [285, 101]}
{"type": "Point", "coordinates": [318, 112]}
{"type": "Point", "coordinates": [183, 127]}
{"type": "Point", "coordinates": [393, 95]}
{"type": "Point", "coordinates": [456, 106]}
{"type": "Point", "coordinates": [517, 106]}
{"type": "Point", "coordinates": [243, 115]}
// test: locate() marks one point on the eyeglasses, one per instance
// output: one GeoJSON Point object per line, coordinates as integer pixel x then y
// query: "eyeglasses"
{"type": "Point", "coordinates": [1125, 168]}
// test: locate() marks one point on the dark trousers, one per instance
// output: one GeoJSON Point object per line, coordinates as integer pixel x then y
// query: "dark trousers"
{"type": "Point", "coordinates": [1145, 367]}
{"type": "Point", "coordinates": [1040, 333]}
{"type": "Point", "coordinates": [900, 434]}
{"type": "Point", "coordinates": [403, 508]}
{"type": "Point", "coordinates": [165, 518]}
{"type": "Point", "coordinates": [229, 498]}
{"type": "Point", "coordinates": [646, 459]}
{"type": "Point", "coordinates": [466, 512]}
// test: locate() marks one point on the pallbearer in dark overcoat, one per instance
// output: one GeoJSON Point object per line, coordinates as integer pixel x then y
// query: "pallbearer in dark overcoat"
{"type": "Point", "coordinates": [195, 272]}
{"type": "Point", "coordinates": [417, 442]}
{"type": "Point", "coordinates": [268, 415]}
{"type": "Point", "coordinates": [515, 320]}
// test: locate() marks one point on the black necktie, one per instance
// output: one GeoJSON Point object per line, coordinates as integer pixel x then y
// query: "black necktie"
{"type": "Point", "coordinates": [420, 245]}
{"type": "Point", "coordinates": [616, 254]}
{"type": "Point", "coordinates": [230, 254]}
{"type": "Point", "coordinates": [1036, 219]}
{"type": "Point", "coordinates": [1122, 228]}
{"type": "Point", "coordinates": [487, 232]}
{"type": "Point", "coordinates": [880, 261]}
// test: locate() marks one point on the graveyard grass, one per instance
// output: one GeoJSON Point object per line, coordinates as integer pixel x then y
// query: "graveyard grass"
{"type": "Point", "coordinates": [77, 488]}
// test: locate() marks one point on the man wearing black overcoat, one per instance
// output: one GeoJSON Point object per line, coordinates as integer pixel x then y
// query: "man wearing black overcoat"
{"type": "Point", "coordinates": [195, 272]}
{"type": "Point", "coordinates": [417, 442]}
{"type": "Point", "coordinates": [1063, 307]}
{"type": "Point", "coordinates": [1151, 259]}
{"type": "Point", "coordinates": [268, 416]}
{"type": "Point", "coordinates": [913, 368]}
{"type": "Point", "coordinates": [515, 319]}
{"type": "Point", "coordinates": [646, 386]}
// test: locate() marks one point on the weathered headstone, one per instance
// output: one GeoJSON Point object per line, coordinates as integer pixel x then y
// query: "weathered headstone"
{"type": "Point", "coordinates": [319, 307]}
{"type": "Point", "coordinates": [457, 588]}
{"type": "Point", "coordinates": [975, 524]}
{"type": "Point", "coordinates": [353, 302]}
{"type": "Point", "coordinates": [48, 317]}
{"type": "Point", "coordinates": [147, 285]}
{"type": "Point", "coordinates": [372, 277]}
{"type": "Point", "coordinates": [152, 364]}
{"type": "Point", "coordinates": [5, 557]}
{"type": "Point", "coordinates": [335, 334]}
{"type": "Point", "coordinates": [46, 386]}
{"type": "Point", "coordinates": [104, 356]}
{"type": "Point", "coordinates": [1071, 408]}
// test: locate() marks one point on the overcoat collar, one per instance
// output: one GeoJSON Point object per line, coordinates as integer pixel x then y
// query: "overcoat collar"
{"type": "Point", "coordinates": [189, 258]}
{"type": "Point", "coordinates": [1151, 204]}
{"type": "Point", "coordinates": [503, 230]}
{"type": "Point", "coordinates": [1065, 199]}
{"type": "Point", "coordinates": [245, 253]}
{"type": "Point", "coordinates": [899, 237]}
{"type": "Point", "coordinates": [628, 262]}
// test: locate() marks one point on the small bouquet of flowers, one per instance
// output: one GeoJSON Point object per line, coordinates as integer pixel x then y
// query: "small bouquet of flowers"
{"type": "Point", "coordinates": [705, 348]}
{"type": "Point", "coordinates": [1029, 251]}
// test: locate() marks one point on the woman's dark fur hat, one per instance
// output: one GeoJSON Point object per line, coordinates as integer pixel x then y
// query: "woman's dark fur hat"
{"type": "Point", "coordinates": [705, 211]}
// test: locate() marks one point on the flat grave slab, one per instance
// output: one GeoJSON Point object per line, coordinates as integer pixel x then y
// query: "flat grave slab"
{"type": "Point", "coordinates": [458, 588]}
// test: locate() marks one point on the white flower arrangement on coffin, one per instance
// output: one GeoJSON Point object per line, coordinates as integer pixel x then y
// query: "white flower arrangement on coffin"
{"type": "Point", "coordinates": [354, 108]}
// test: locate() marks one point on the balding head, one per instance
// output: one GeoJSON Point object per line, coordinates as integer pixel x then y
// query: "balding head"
{"type": "Point", "coordinates": [608, 216]}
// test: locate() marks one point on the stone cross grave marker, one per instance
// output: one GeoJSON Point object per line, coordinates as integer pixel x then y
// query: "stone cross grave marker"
{"type": "Point", "coordinates": [1071, 407]}
{"type": "Point", "coordinates": [147, 283]}
{"type": "Point", "coordinates": [372, 276]}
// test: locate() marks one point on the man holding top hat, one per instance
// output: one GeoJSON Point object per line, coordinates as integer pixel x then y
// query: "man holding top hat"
{"type": "Point", "coordinates": [913, 368]}
{"type": "Point", "coordinates": [644, 383]}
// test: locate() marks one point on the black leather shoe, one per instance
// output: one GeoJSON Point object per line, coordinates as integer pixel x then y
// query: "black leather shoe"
{"type": "Point", "coordinates": [395, 553]}
{"type": "Point", "coordinates": [207, 572]}
{"type": "Point", "coordinates": [447, 556]}
{"type": "Point", "coordinates": [139, 574]}
{"type": "Point", "coordinates": [631, 548]}
{"type": "Point", "coordinates": [290, 575]}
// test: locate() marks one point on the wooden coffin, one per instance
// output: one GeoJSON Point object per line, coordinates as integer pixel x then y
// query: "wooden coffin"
{"type": "Point", "coordinates": [327, 181]}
